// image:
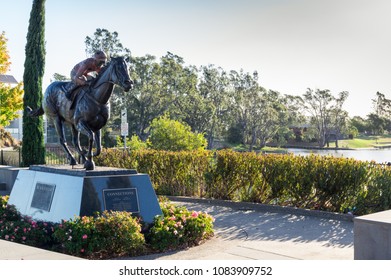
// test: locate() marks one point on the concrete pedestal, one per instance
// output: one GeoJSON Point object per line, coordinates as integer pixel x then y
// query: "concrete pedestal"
{"type": "Point", "coordinates": [55, 193]}
{"type": "Point", "coordinates": [372, 236]}
{"type": "Point", "coordinates": [8, 175]}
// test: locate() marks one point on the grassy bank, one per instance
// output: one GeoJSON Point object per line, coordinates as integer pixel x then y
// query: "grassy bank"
{"type": "Point", "coordinates": [360, 142]}
{"type": "Point", "coordinates": [365, 142]}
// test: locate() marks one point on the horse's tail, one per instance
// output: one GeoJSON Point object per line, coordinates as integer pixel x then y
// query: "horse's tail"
{"type": "Point", "coordinates": [34, 113]}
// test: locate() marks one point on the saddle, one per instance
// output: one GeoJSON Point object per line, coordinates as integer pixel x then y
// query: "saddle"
{"type": "Point", "coordinates": [71, 91]}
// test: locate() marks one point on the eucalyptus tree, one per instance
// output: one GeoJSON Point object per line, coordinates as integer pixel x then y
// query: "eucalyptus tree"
{"type": "Point", "coordinates": [179, 82]}
{"type": "Point", "coordinates": [274, 120]}
{"type": "Point", "coordinates": [326, 112]}
{"type": "Point", "coordinates": [295, 117]}
{"type": "Point", "coordinates": [243, 91]}
{"type": "Point", "coordinates": [213, 88]}
{"type": "Point", "coordinates": [59, 77]}
{"type": "Point", "coordinates": [190, 106]}
{"type": "Point", "coordinates": [382, 108]}
{"type": "Point", "coordinates": [382, 105]}
{"type": "Point", "coordinates": [106, 41]}
{"type": "Point", "coordinates": [339, 117]}
{"type": "Point", "coordinates": [376, 124]}
{"type": "Point", "coordinates": [147, 101]}
{"type": "Point", "coordinates": [260, 113]}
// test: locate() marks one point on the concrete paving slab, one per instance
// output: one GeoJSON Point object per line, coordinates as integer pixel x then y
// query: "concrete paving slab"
{"type": "Point", "coordinates": [246, 232]}
{"type": "Point", "coordinates": [14, 251]}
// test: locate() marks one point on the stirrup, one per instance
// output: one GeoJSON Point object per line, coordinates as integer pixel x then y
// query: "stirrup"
{"type": "Point", "coordinates": [68, 95]}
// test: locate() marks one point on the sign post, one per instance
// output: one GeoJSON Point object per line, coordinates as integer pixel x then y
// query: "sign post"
{"type": "Point", "coordinates": [124, 125]}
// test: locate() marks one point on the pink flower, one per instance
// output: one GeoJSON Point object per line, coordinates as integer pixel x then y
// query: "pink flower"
{"type": "Point", "coordinates": [194, 214]}
{"type": "Point", "coordinates": [81, 250]}
{"type": "Point", "coordinates": [6, 237]}
{"type": "Point", "coordinates": [84, 236]}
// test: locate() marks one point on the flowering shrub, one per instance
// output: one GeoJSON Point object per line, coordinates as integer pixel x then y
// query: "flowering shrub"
{"type": "Point", "coordinates": [110, 234]}
{"type": "Point", "coordinates": [179, 228]}
{"type": "Point", "coordinates": [22, 229]}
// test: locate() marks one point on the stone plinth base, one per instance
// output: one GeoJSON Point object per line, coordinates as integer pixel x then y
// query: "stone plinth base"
{"type": "Point", "coordinates": [372, 236]}
{"type": "Point", "coordinates": [55, 193]}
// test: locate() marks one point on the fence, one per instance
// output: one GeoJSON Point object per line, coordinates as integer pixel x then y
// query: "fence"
{"type": "Point", "coordinates": [54, 155]}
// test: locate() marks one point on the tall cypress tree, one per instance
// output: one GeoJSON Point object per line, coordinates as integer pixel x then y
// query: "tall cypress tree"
{"type": "Point", "coordinates": [33, 148]}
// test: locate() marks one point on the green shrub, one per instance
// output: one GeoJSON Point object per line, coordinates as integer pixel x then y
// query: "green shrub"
{"type": "Point", "coordinates": [22, 229]}
{"type": "Point", "coordinates": [236, 176]}
{"type": "Point", "coordinates": [171, 135]}
{"type": "Point", "coordinates": [376, 195]}
{"type": "Point", "coordinates": [110, 234]}
{"type": "Point", "coordinates": [174, 173]}
{"type": "Point", "coordinates": [179, 228]}
{"type": "Point", "coordinates": [134, 143]}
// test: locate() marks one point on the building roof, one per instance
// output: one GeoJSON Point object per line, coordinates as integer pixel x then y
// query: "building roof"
{"type": "Point", "coordinates": [8, 79]}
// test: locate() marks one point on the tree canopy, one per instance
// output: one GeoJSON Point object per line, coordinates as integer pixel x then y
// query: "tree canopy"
{"type": "Point", "coordinates": [11, 97]}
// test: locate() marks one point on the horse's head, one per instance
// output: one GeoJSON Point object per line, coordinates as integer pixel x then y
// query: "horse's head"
{"type": "Point", "coordinates": [121, 73]}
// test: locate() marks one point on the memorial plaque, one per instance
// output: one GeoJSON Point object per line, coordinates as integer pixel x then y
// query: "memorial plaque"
{"type": "Point", "coordinates": [121, 200]}
{"type": "Point", "coordinates": [43, 196]}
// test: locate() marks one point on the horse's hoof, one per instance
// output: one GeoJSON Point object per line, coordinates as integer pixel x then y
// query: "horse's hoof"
{"type": "Point", "coordinates": [89, 165]}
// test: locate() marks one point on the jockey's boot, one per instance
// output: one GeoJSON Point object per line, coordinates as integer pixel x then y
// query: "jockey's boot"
{"type": "Point", "coordinates": [70, 90]}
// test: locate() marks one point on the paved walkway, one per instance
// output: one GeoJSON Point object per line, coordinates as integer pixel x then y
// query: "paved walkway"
{"type": "Point", "coordinates": [245, 231]}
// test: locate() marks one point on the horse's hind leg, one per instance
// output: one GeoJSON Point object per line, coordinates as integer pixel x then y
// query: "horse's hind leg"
{"type": "Point", "coordinates": [98, 143]}
{"type": "Point", "coordinates": [59, 125]}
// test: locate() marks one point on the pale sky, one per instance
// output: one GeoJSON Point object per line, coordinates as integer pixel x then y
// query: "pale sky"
{"type": "Point", "coordinates": [340, 45]}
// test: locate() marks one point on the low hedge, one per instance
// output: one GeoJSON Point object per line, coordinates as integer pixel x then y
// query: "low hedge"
{"type": "Point", "coordinates": [312, 182]}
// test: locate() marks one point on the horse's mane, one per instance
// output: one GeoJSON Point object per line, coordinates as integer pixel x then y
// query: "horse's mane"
{"type": "Point", "coordinates": [102, 71]}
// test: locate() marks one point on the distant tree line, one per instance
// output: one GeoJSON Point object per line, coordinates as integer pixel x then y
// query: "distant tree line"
{"type": "Point", "coordinates": [229, 106]}
{"type": "Point", "coordinates": [379, 121]}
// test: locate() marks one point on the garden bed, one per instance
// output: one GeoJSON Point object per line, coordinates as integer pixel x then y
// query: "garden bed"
{"type": "Point", "coordinates": [109, 234]}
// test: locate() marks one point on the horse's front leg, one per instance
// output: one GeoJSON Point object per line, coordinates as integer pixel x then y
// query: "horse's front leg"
{"type": "Point", "coordinates": [76, 143]}
{"type": "Point", "coordinates": [84, 128]}
{"type": "Point", "coordinates": [98, 143]}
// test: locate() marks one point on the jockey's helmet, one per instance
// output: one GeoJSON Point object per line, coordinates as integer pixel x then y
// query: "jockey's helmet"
{"type": "Point", "coordinates": [100, 56]}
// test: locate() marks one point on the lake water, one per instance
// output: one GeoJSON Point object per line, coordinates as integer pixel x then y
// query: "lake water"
{"type": "Point", "coordinates": [378, 155]}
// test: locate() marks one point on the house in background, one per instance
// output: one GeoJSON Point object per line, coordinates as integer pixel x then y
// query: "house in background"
{"type": "Point", "coordinates": [15, 127]}
{"type": "Point", "coordinates": [8, 79]}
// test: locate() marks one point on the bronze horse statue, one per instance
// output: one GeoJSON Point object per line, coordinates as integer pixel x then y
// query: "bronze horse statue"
{"type": "Point", "coordinates": [90, 111]}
